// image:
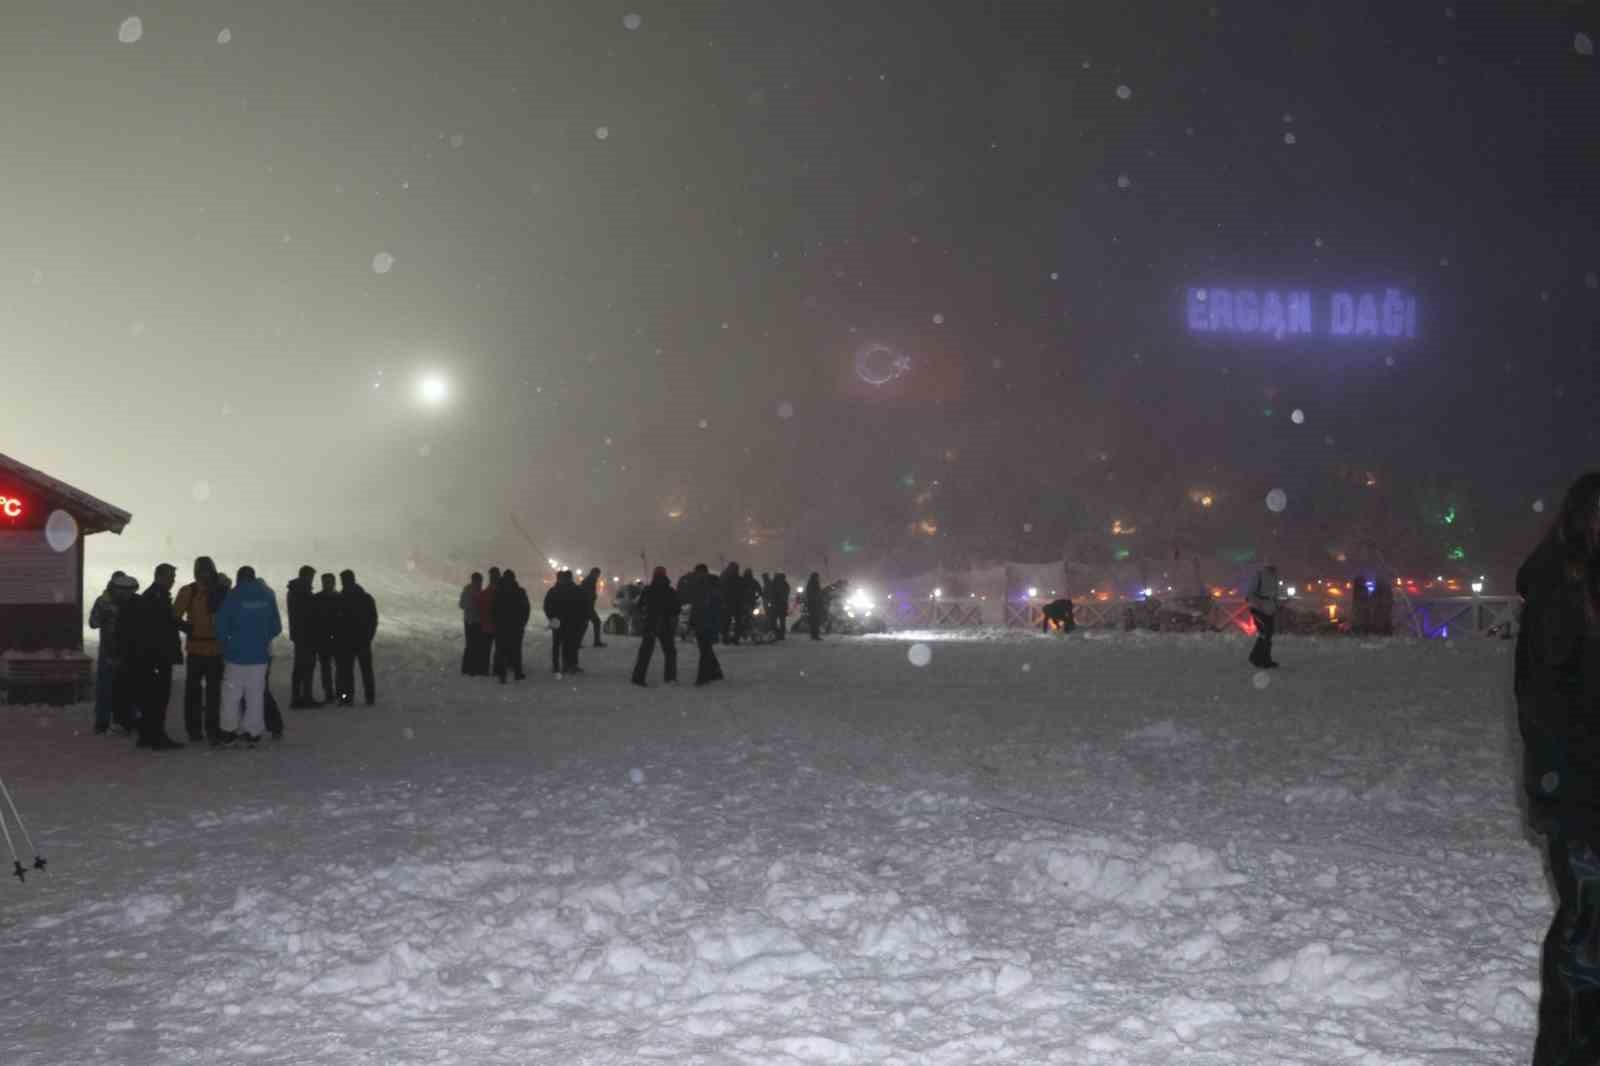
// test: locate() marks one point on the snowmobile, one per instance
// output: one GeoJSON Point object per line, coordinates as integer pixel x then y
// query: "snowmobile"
{"type": "Point", "coordinates": [843, 614]}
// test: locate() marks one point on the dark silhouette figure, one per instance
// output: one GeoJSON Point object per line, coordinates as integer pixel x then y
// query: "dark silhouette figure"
{"type": "Point", "coordinates": [472, 627]}
{"type": "Point", "coordinates": [779, 604]}
{"type": "Point", "coordinates": [301, 630]}
{"type": "Point", "coordinates": [358, 627]}
{"type": "Point", "coordinates": [151, 646]}
{"type": "Point", "coordinates": [486, 619]}
{"type": "Point", "coordinates": [511, 611]}
{"type": "Point", "coordinates": [706, 621]}
{"type": "Point", "coordinates": [661, 610]}
{"type": "Point", "coordinates": [816, 604]}
{"type": "Point", "coordinates": [731, 586]}
{"type": "Point", "coordinates": [1262, 596]}
{"type": "Point", "coordinates": [1059, 614]}
{"type": "Point", "coordinates": [326, 619]}
{"type": "Point", "coordinates": [1556, 680]}
{"type": "Point", "coordinates": [591, 588]}
{"type": "Point", "coordinates": [566, 605]}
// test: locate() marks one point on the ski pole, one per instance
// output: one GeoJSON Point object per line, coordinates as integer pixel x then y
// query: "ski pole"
{"type": "Point", "coordinates": [38, 860]}
{"type": "Point", "coordinates": [16, 863]}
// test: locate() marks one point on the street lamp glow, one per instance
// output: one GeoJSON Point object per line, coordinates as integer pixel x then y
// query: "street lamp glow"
{"type": "Point", "coordinates": [433, 390]}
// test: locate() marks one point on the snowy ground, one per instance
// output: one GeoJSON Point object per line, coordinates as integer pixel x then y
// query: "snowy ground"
{"type": "Point", "coordinates": [1112, 850]}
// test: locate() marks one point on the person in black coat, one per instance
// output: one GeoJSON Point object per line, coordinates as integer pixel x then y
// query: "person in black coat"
{"type": "Point", "coordinates": [779, 604]}
{"type": "Point", "coordinates": [816, 605]}
{"type": "Point", "coordinates": [323, 621]}
{"type": "Point", "coordinates": [732, 586]}
{"type": "Point", "coordinates": [661, 610]}
{"type": "Point", "coordinates": [511, 611]}
{"type": "Point", "coordinates": [705, 618]}
{"type": "Point", "coordinates": [304, 667]}
{"type": "Point", "coordinates": [591, 589]}
{"type": "Point", "coordinates": [1556, 680]}
{"type": "Point", "coordinates": [567, 608]}
{"type": "Point", "coordinates": [1059, 614]}
{"type": "Point", "coordinates": [148, 633]}
{"type": "Point", "coordinates": [356, 628]}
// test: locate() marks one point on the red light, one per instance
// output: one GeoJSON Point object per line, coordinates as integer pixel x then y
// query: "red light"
{"type": "Point", "coordinates": [10, 506]}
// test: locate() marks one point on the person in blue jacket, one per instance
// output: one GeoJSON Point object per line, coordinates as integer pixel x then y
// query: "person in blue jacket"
{"type": "Point", "coordinates": [246, 626]}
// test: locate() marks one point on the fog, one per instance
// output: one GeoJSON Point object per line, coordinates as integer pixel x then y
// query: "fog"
{"type": "Point", "coordinates": [796, 283]}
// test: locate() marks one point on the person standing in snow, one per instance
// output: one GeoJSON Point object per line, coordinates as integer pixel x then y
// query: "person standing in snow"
{"type": "Point", "coordinates": [705, 618]}
{"type": "Point", "coordinates": [511, 610]}
{"type": "Point", "coordinates": [324, 617]}
{"type": "Point", "coordinates": [194, 609]}
{"type": "Point", "coordinates": [1262, 596]}
{"type": "Point", "coordinates": [1556, 680]}
{"type": "Point", "coordinates": [565, 607]}
{"type": "Point", "coordinates": [103, 616]}
{"type": "Point", "coordinates": [471, 623]}
{"type": "Point", "coordinates": [353, 643]}
{"type": "Point", "coordinates": [749, 600]}
{"type": "Point", "coordinates": [151, 648]}
{"type": "Point", "coordinates": [246, 626]}
{"type": "Point", "coordinates": [486, 620]}
{"type": "Point", "coordinates": [661, 610]}
{"type": "Point", "coordinates": [780, 605]}
{"type": "Point", "coordinates": [816, 604]}
{"type": "Point", "coordinates": [731, 585]}
{"type": "Point", "coordinates": [301, 636]}
{"type": "Point", "coordinates": [591, 589]}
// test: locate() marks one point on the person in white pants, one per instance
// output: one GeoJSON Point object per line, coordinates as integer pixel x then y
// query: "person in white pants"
{"type": "Point", "coordinates": [244, 683]}
{"type": "Point", "coordinates": [246, 625]}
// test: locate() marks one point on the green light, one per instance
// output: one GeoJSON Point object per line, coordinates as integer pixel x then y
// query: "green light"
{"type": "Point", "coordinates": [1449, 516]}
{"type": "Point", "coordinates": [849, 546]}
{"type": "Point", "coordinates": [1121, 553]}
{"type": "Point", "coordinates": [1458, 552]}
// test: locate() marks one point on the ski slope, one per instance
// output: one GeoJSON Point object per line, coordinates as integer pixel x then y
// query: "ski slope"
{"type": "Point", "coordinates": [1119, 849]}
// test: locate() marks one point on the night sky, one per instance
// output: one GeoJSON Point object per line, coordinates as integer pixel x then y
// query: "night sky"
{"type": "Point", "coordinates": [649, 246]}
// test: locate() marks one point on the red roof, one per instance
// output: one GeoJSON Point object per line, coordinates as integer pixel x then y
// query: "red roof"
{"type": "Point", "coordinates": [93, 515]}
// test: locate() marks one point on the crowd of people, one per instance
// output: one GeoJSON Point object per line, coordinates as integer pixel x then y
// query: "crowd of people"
{"type": "Point", "coordinates": [721, 609]}
{"type": "Point", "coordinates": [221, 631]}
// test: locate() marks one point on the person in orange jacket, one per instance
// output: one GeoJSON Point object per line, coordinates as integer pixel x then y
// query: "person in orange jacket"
{"type": "Point", "coordinates": [194, 609]}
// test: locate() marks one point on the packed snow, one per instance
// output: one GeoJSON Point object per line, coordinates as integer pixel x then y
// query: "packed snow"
{"type": "Point", "coordinates": [1022, 849]}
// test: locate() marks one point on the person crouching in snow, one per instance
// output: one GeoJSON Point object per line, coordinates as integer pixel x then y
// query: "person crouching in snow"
{"type": "Point", "coordinates": [246, 626]}
{"type": "Point", "coordinates": [1059, 614]}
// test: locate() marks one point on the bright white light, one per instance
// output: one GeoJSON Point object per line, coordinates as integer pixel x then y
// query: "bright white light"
{"type": "Point", "coordinates": [937, 593]}
{"type": "Point", "coordinates": [1033, 593]}
{"type": "Point", "coordinates": [1290, 590]}
{"type": "Point", "coordinates": [1477, 587]}
{"type": "Point", "coordinates": [632, 22]}
{"type": "Point", "coordinates": [860, 602]}
{"type": "Point", "coordinates": [433, 390]}
{"type": "Point", "coordinates": [1277, 500]}
{"type": "Point", "coordinates": [1147, 593]}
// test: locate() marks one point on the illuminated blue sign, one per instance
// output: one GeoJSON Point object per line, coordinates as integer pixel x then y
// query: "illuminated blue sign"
{"type": "Point", "coordinates": [1274, 314]}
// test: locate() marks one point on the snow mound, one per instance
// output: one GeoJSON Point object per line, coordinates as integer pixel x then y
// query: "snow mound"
{"type": "Point", "coordinates": [1317, 972]}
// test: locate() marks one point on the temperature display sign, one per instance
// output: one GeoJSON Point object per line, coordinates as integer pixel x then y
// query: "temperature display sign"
{"type": "Point", "coordinates": [10, 506]}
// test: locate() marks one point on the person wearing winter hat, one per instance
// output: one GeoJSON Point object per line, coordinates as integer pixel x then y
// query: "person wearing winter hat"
{"type": "Point", "coordinates": [103, 616]}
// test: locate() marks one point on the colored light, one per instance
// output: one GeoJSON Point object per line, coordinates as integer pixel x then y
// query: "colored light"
{"type": "Point", "coordinates": [10, 506]}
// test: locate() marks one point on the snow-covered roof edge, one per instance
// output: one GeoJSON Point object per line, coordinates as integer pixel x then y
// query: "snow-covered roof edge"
{"type": "Point", "coordinates": [102, 515]}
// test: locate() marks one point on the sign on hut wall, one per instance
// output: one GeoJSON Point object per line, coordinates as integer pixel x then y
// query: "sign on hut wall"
{"type": "Point", "coordinates": [32, 572]}
{"type": "Point", "coordinates": [1279, 314]}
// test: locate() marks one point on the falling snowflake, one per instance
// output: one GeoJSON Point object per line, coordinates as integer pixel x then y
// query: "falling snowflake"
{"type": "Point", "coordinates": [225, 36]}
{"type": "Point", "coordinates": [938, 320]}
{"type": "Point", "coordinates": [1298, 417]}
{"type": "Point", "coordinates": [1124, 93]}
{"type": "Point", "coordinates": [602, 132]}
{"type": "Point", "coordinates": [201, 491]}
{"type": "Point", "coordinates": [1584, 44]}
{"type": "Point", "coordinates": [1288, 138]}
{"type": "Point", "coordinates": [131, 30]}
{"type": "Point", "coordinates": [920, 655]}
{"type": "Point", "coordinates": [636, 775]}
{"type": "Point", "coordinates": [704, 424]}
{"type": "Point", "coordinates": [1444, 260]}
{"type": "Point", "coordinates": [1277, 500]}
{"type": "Point", "coordinates": [632, 22]}
{"type": "Point", "coordinates": [1261, 679]}
{"type": "Point", "coordinates": [1087, 64]}
{"type": "Point", "coordinates": [1123, 181]}
{"type": "Point", "coordinates": [1287, 118]}
{"type": "Point", "coordinates": [1538, 507]}
{"type": "Point", "coordinates": [1027, 667]}
{"type": "Point", "coordinates": [1027, 527]}
{"type": "Point", "coordinates": [457, 140]}
{"type": "Point", "coordinates": [1317, 242]}
{"type": "Point", "coordinates": [786, 410]}
{"type": "Point", "coordinates": [409, 733]}
{"type": "Point", "coordinates": [1388, 360]}
{"type": "Point", "coordinates": [382, 263]}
